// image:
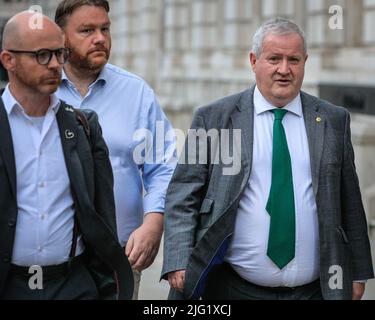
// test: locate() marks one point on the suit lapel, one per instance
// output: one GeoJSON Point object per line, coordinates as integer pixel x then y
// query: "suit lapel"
{"type": "Point", "coordinates": [67, 123]}
{"type": "Point", "coordinates": [315, 128]}
{"type": "Point", "coordinates": [6, 147]}
{"type": "Point", "coordinates": [68, 128]}
{"type": "Point", "coordinates": [243, 119]}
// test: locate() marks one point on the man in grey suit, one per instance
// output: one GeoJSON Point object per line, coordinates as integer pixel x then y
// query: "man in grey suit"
{"type": "Point", "coordinates": [289, 223]}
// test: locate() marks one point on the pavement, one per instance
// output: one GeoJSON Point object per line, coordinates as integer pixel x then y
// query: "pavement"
{"type": "Point", "coordinates": [151, 288]}
{"type": "Point", "coordinates": [370, 286]}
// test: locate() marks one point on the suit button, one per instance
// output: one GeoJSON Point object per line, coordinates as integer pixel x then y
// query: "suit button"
{"type": "Point", "coordinates": [11, 223]}
{"type": "Point", "coordinates": [6, 258]}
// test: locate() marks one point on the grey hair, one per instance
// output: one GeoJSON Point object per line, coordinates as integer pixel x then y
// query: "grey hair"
{"type": "Point", "coordinates": [277, 26]}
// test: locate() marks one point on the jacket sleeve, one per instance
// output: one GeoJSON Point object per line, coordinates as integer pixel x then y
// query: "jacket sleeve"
{"type": "Point", "coordinates": [184, 197]}
{"type": "Point", "coordinates": [353, 214]}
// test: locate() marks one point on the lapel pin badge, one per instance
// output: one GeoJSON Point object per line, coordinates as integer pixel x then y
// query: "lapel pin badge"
{"type": "Point", "coordinates": [69, 109]}
{"type": "Point", "coordinates": [318, 119]}
{"type": "Point", "coordinates": [69, 134]}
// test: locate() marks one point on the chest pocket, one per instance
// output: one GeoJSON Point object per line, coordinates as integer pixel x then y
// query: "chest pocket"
{"type": "Point", "coordinates": [205, 213]}
{"type": "Point", "coordinates": [204, 218]}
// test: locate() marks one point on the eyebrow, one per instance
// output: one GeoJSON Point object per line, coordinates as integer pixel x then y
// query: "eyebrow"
{"type": "Point", "coordinates": [288, 56]}
{"type": "Point", "coordinates": [94, 25]}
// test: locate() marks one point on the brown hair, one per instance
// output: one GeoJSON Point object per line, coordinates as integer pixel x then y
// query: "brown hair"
{"type": "Point", "coordinates": [67, 7]}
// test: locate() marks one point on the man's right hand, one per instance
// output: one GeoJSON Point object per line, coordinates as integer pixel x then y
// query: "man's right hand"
{"type": "Point", "coordinates": [176, 280]}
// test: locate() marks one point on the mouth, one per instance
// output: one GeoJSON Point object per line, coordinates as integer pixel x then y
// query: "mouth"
{"type": "Point", "coordinates": [52, 80]}
{"type": "Point", "coordinates": [283, 82]}
{"type": "Point", "coordinates": [98, 52]}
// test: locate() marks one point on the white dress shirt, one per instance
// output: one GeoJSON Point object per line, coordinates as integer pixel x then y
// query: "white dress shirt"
{"type": "Point", "coordinates": [45, 220]}
{"type": "Point", "coordinates": [248, 249]}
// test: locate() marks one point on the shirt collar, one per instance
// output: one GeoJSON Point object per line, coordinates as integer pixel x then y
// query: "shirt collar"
{"type": "Point", "coordinates": [262, 105]}
{"type": "Point", "coordinates": [10, 103]}
{"type": "Point", "coordinates": [102, 78]}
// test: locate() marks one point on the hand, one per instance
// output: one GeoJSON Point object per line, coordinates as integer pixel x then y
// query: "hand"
{"type": "Point", "coordinates": [143, 244]}
{"type": "Point", "coordinates": [358, 290]}
{"type": "Point", "coordinates": [176, 280]}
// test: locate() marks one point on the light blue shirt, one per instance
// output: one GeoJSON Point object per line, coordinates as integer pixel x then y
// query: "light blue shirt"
{"type": "Point", "coordinates": [248, 250]}
{"type": "Point", "coordinates": [140, 140]}
{"type": "Point", "coordinates": [44, 229]}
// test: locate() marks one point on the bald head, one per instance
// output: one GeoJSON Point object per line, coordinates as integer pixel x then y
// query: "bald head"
{"type": "Point", "coordinates": [26, 29]}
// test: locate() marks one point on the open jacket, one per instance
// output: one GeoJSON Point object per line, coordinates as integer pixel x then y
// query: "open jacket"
{"type": "Point", "coordinates": [202, 203]}
{"type": "Point", "coordinates": [91, 180]}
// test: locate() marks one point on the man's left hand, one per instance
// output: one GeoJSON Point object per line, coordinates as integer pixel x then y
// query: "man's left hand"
{"type": "Point", "coordinates": [143, 244]}
{"type": "Point", "coordinates": [358, 290]}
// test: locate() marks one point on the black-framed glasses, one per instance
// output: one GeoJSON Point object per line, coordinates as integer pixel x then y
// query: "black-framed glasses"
{"type": "Point", "coordinates": [44, 56]}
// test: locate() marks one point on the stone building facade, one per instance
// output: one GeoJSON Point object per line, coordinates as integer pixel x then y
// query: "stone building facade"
{"type": "Point", "coordinates": [195, 51]}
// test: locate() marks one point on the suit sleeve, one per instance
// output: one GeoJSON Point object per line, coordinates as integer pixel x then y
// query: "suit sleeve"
{"type": "Point", "coordinates": [184, 197]}
{"type": "Point", "coordinates": [354, 218]}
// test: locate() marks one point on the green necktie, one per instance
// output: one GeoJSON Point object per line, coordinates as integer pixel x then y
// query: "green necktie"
{"type": "Point", "coordinates": [280, 205]}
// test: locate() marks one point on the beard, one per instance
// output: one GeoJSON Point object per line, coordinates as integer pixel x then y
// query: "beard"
{"type": "Point", "coordinates": [86, 62]}
{"type": "Point", "coordinates": [44, 85]}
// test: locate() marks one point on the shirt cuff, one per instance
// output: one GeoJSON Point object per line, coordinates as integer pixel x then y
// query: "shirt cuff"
{"type": "Point", "coordinates": [153, 202]}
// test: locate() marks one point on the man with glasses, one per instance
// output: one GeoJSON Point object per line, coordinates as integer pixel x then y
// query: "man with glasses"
{"type": "Point", "coordinates": [57, 226]}
{"type": "Point", "coordinates": [44, 56]}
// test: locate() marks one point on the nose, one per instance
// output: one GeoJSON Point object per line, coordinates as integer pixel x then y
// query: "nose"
{"type": "Point", "coordinates": [284, 67]}
{"type": "Point", "coordinates": [99, 37]}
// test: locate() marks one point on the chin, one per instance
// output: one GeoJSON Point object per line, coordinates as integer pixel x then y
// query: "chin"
{"type": "Point", "coordinates": [98, 62]}
{"type": "Point", "coordinates": [282, 95]}
{"type": "Point", "coordinates": [50, 89]}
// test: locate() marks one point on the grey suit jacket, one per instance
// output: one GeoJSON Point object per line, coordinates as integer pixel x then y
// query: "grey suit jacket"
{"type": "Point", "coordinates": [91, 180]}
{"type": "Point", "coordinates": [201, 203]}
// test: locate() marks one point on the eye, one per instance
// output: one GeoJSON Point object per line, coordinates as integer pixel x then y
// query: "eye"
{"type": "Point", "coordinates": [43, 54]}
{"type": "Point", "coordinates": [273, 59]}
{"type": "Point", "coordinates": [86, 31]}
{"type": "Point", "coordinates": [294, 60]}
{"type": "Point", "coordinates": [105, 29]}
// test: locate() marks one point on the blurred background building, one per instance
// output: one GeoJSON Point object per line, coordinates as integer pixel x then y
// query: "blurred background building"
{"type": "Point", "coordinates": [195, 51]}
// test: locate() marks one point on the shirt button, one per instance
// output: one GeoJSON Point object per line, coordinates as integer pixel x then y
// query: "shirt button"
{"type": "Point", "coordinates": [43, 216]}
{"type": "Point", "coordinates": [40, 249]}
{"type": "Point", "coordinates": [42, 184]}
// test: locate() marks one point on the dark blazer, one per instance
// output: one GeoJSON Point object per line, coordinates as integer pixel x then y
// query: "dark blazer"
{"type": "Point", "coordinates": [91, 180]}
{"type": "Point", "coordinates": [202, 203]}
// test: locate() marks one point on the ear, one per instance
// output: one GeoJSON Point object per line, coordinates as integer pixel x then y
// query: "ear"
{"type": "Point", "coordinates": [253, 60]}
{"type": "Point", "coordinates": [8, 60]}
{"type": "Point", "coordinates": [306, 57]}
